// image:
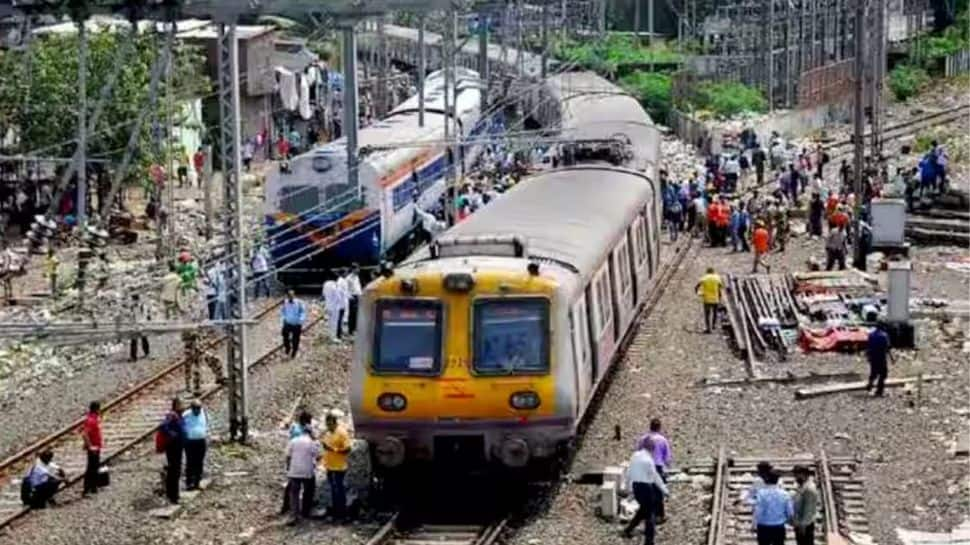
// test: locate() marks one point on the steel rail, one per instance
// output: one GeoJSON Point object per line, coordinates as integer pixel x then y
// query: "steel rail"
{"type": "Point", "coordinates": [423, 534]}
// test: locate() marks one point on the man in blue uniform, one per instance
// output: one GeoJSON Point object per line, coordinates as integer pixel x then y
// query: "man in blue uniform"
{"type": "Point", "coordinates": [877, 352]}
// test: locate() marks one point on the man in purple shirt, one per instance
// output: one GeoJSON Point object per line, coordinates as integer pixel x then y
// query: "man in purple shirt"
{"type": "Point", "coordinates": [660, 450]}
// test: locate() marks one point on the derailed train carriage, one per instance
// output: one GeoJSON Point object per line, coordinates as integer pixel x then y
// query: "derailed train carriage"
{"type": "Point", "coordinates": [487, 347]}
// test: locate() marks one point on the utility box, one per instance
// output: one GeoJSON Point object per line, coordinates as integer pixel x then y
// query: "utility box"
{"type": "Point", "coordinates": [609, 500]}
{"type": "Point", "coordinates": [614, 474]}
{"type": "Point", "coordinates": [888, 223]}
{"type": "Point", "coordinates": [899, 285]}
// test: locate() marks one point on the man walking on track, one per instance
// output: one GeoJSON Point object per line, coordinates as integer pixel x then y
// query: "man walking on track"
{"type": "Point", "coordinates": [772, 509]}
{"type": "Point", "coordinates": [93, 444]}
{"type": "Point", "coordinates": [293, 315]}
{"type": "Point", "coordinates": [877, 352]}
{"type": "Point", "coordinates": [660, 451]}
{"type": "Point", "coordinates": [709, 288]}
{"type": "Point", "coordinates": [805, 507]}
{"type": "Point", "coordinates": [648, 489]}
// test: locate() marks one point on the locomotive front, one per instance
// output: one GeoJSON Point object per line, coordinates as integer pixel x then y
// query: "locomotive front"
{"type": "Point", "coordinates": [456, 363]}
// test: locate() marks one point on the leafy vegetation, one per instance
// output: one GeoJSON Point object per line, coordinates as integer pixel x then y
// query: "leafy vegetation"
{"type": "Point", "coordinates": [907, 80]}
{"type": "Point", "coordinates": [617, 54]}
{"type": "Point", "coordinates": [724, 99]}
{"type": "Point", "coordinates": [653, 90]}
{"type": "Point", "coordinates": [48, 120]}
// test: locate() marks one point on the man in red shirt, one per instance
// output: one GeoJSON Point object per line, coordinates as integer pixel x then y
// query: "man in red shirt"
{"type": "Point", "coordinates": [93, 443]}
{"type": "Point", "coordinates": [283, 148]}
{"type": "Point", "coordinates": [760, 242]}
{"type": "Point", "coordinates": [198, 161]}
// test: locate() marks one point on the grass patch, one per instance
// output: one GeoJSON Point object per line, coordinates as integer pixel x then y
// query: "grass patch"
{"type": "Point", "coordinates": [906, 81]}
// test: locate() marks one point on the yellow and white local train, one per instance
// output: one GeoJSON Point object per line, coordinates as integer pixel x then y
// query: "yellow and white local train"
{"type": "Point", "coordinates": [489, 345]}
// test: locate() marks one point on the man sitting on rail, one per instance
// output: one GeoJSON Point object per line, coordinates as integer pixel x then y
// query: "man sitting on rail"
{"type": "Point", "coordinates": [42, 481]}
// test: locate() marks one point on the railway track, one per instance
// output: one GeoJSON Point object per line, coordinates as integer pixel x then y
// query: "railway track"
{"type": "Point", "coordinates": [128, 420]}
{"type": "Point", "coordinates": [899, 130]}
{"type": "Point", "coordinates": [842, 510]}
{"type": "Point", "coordinates": [438, 534]}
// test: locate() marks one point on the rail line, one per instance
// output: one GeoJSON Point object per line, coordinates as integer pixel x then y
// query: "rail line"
{"type": "Point", "coordinates": [438, 534]}
{"type": "Point", "coordinates": [841, 489]}
{"type": "Point", "coordinates": [907, 127]}
{"type": "Point", "coordinates": [129, 419]}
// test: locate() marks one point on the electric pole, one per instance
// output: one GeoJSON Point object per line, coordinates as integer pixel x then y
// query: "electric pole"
{"type": "Point", "coordinates": [858, 136]}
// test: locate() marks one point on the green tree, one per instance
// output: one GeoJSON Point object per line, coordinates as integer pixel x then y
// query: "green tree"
{"type": "Point", "coordinates": [38, 96]}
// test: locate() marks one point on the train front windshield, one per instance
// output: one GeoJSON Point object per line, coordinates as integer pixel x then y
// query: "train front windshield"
{"type": "Point", "coordinates": [408, 337]}
{"type": "Point", "coordinates": [511, 336]}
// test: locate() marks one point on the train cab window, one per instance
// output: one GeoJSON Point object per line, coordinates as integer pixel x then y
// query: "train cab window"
{"type": "Point", "coordinates": [408, 336]}
{"type": "Point", "coordinates": [511, 336]}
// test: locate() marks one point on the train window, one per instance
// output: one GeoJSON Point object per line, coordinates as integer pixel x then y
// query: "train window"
{"type": "Point", "coordinates": [604, 304]}
{"type": "Point", "coordinates": [622, 257]}
{"type": "Point", "coordinates": [511, 335]}
{"type": "Point", "coordinates": [408, 336]}
{"type": "Point", "coordinates": [581, 331]}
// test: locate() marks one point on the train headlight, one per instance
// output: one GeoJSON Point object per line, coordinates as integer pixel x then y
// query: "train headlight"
{"type": "Point", "coordinates": [390, 452]}
{"type": "Point", "coordinates": [392, 402]}
{"type": "Point", "coordinates": [514, 452]}
{"type": "Point", "coordinates": [524, 400]}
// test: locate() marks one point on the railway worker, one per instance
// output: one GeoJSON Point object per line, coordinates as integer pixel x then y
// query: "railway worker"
{"type": "Point", "coordinates": [648, 489]}
{"type": "Point", "coordinates": [816, 208]}
{"type": "Point", "coordinates": [835, 248]}
{"type": "Point", "coordinates": [195, 356]}
{"type": "Point", "coordinates": [302, 456]}
{"type": "Point", "coordinates": [141, 313]}
{"type": "Point", "coordinates": [660, 451]}
{"type": "Point", "coordinates": [709, 287]}
{"type": "Point", "coordinates": [878, 354]}
{"type": "Point", "coordinates": [343, 290]}
{"type": "Point", "coordinates": [93, 445]}
{"type": "Point", "coordinates": [337, 445]}
{"type": "Point", "coordinates": [195, 423]}
{"type": "Point", "coordinates": [170, 439]}
{"type": "Point", "coordinates": [804, 506]}
{"type": "Point", "coordinates": [292, 315]}
{"type": "Point", "coordinates": [772, 509]}
{"type": "Point", "coordinates": [760, 239]}
{"type": "Point", "coordinates": [43, 481]}
{"type": "Point", "coordinates": [170, 290]}
{"type": "Point", "coordinates": [353, 292]}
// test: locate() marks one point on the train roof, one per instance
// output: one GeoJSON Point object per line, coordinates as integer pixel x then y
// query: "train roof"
{"type": "Point", "coordinates": [594, 108]}
{"type": "Point", "coordinates": [570, 216]}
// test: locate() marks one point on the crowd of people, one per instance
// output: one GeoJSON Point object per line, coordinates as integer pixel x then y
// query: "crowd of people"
{"type": "Point", "coordinates": [773, 508]}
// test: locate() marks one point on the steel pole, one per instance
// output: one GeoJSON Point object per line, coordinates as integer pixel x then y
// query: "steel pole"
{"type": "Point", "coordinates": [236, 350]}
{"type": "Point", "coordinates": [483, 68]}
{"type": "Point", "coordinates": [858, 137]}
{"type": "Point", "coordinates": [351, 121]}
{"type": "Point", "coordinates": [82, 121]}
{"type": "Point", "coordinates": [422, 69]}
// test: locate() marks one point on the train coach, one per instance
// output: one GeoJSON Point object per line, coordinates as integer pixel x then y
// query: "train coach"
{"type": "Point", "coordinates": [487, 347]}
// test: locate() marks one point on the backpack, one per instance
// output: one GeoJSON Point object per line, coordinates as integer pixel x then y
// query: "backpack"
{"type": "Point", "coordinates": [161, 440]}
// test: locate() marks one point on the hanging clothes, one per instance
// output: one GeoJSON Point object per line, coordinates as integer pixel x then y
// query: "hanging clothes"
{"type": "Point", "coordinates": [289, 95]}
{"type": "Point", "coordinates": [305, 111]}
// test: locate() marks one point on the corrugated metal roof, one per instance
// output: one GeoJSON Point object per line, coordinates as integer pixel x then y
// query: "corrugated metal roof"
{"type": "Point", "coordinates": [568, 215]}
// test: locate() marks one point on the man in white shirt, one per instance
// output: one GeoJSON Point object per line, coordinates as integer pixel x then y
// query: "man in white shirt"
{"type": "Point", "coordinates": [260, 265]}
{"type": "Point", "coordinates": [44, 479]}
{"type": "Point", "coordinates": [353, 291]}
{"type": "Point", "coordinates": [648, 489]}
{"type": "Point", "coordinates": [331, 304]}
{"type": "Point", "coordinates": [343, 293]}
{"type": "Point", "coordinates": [302, 455]}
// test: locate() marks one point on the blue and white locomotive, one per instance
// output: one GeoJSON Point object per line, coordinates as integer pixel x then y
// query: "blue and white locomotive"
{"type": "Point", "coordinates": [317, 221]}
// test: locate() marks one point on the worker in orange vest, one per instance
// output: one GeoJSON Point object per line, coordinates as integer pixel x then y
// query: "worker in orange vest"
{"type": "Point", "coordinates": [761, 242]}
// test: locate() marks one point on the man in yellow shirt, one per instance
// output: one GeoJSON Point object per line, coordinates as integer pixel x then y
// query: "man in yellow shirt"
{"type": "Point", "coordinates": [336, 446]}
{"type": "Point", "coordinates": [709, 288]}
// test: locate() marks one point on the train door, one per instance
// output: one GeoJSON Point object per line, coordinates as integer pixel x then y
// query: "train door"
{"type": "Point", "coordinates": [641, 259]}
{"type": "Point", "coordinates": [622, 285]}
{"type": "Point", "coordinates": [652, 225]}
{"type": "Point", "coordinates": [582, 353]}
{"type": "Point", "coordinates": [603, 321]}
